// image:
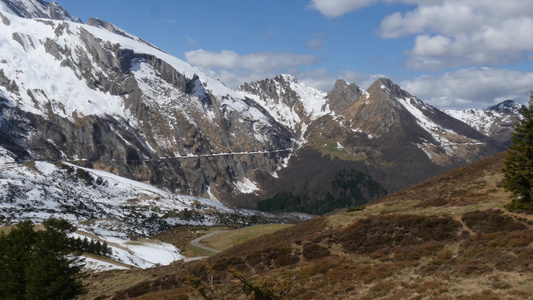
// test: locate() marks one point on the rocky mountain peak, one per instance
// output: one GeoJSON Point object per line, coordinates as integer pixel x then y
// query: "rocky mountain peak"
{"type": "Point", "coordinates": [343, 95]}
{"type": "Point", "coordinates": [496, 121]}
{"type": "Point", "coordinates": [387, 86]}
{"type": "Point", "coordinates": [31, 9]}
{"type": "Point", "coordinates": [507, 106]}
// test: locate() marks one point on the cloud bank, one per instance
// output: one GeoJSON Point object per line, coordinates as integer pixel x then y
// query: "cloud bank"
{"type": "Point", "coordinates": [468, 44]}
{"type": "Point", "coordinates": [469, 88]}
{"type": "Point", "coordinates": [453, 33]}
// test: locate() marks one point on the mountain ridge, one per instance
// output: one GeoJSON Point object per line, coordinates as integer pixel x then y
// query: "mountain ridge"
{"type": "Point", "coordinates": [127, 104]}
{"type": "Point", "coordinates": [38, 9]}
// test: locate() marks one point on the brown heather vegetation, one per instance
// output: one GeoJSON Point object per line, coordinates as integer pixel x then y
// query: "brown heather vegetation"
{"type": "Point", "coordinates": [447, 238]}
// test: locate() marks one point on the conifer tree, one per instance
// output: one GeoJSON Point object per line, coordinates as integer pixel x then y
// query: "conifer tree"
{"type": "Point", "coordinates": [15, 249]}
{"type": "Point", "coordinates": [518, 169]}
{"type": "Point", "coordinates": [39, 265]}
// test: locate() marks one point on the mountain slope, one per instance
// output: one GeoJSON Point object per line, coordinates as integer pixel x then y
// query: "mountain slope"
{"type": "Point", "coordinates": [106, 207]}
{"type": "Point", "coordinates": [71, 91]}
{"type": "Point", "coordinates": [447, 237]}
{"type": "Point", "coordinates": [39, 190]}
{"type": "Point", "coordinates": [385, 111]}
{"type": "Point", "coordinates": [289, 101]}
{"type": "Point", "coordinates": [96, 96]}
{"type": "Point", "coordinates": [496, 121]}
{"type": "Point", "coordinates": [377, 141]}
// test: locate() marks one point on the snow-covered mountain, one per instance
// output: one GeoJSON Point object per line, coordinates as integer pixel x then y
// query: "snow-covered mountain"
{"type": "Point", "coordinates": [37, 9]}
{"type": "Point", "coordinates": [382, 139]}
{"type": "Point", "coordinates": [496, 121]}
{"type": "Point", "coordinates": [95, 96]}
{"type": "Point", "coordinates": [72, 91]}
{"type": "Point", "coordinates": [291, 102]}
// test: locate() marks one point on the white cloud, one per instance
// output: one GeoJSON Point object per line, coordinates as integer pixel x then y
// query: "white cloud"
{"type": "Point", "coordinates": [468, 88]}
{"type": "Point", "coordinates": [336, 8]}
{"type": "Point", "coordinates": [324, 80]}
{"type": "Point", "coordinates": [453, 33]}
{"type": "Point", "coordinates": [234, 69]}
{"type": "Point", "coordinates": [457, 33]}
{"type": "Point", "coordinates": [259, 62]}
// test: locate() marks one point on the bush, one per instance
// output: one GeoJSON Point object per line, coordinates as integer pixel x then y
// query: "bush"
{"type": "Point", "coordinates": [314, 251]}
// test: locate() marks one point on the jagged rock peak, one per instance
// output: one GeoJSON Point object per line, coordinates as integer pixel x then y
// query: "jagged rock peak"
{"type": "Point", "coordinates": [37, 9]}
{"type": "Point", "coordinates": [343, 95]}
{"type": "Point", "coordinates": [107, 26]}
{"type": "Point", "coordinates": [386, 85]}
{"type": "Point", "coordinates": [507, 106]}
{"type": "Point", "coordinates": [342, 85]}
{"type": "Point", "coordinates": [287, 77]}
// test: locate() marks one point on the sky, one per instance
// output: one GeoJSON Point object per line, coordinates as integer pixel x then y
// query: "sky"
{"type": "Point", "coordinates": [453, 54]}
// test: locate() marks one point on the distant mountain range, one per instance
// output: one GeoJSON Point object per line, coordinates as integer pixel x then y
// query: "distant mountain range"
{"type": "Point", "coordinates": [95, 96]}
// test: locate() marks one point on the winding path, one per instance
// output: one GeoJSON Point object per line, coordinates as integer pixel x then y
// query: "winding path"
{"type": "Point", "coordinates": [196, 243]}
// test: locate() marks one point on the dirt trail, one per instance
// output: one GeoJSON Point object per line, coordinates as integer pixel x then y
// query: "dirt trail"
{"type": "Point", "coordinates": [465, 227]}
{"type": "Point", "coordinates": [527, 217]}
{"type": "Point", "coordinates": [197, 242]}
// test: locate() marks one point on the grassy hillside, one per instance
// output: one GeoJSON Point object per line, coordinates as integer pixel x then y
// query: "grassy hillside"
{"type": "Point", "coordinates": [446, 238]}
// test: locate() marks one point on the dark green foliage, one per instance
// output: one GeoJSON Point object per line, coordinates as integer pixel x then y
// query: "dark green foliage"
{"type": "Point", "coordinates": [92, 246]}
{"type": "Point", "coordinates": [518, 169]}
{"type": "Point", "coordinates": [280, 202]}
{"type": "Point", "coordinates": [39, 264]}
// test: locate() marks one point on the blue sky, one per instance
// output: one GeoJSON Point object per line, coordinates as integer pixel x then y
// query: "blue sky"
{"type": "Point", "coordinates": [450, 53]}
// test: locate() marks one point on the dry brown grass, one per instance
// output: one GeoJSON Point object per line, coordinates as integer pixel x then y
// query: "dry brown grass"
{"type": "Point", "coordinates": [447, 238]}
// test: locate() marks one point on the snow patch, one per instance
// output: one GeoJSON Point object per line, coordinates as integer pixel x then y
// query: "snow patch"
{"type": "Point", "coordinates": [246, 186]}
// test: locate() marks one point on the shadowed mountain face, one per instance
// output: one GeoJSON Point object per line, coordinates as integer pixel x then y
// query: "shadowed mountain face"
{"type": "Point", "coordinates": [97, 96]}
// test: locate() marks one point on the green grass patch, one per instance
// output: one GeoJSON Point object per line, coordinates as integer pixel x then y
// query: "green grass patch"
{"type": "Point", "coordinates": [193, 251]}
{"type": "Point", "coordinates": [228, 239]}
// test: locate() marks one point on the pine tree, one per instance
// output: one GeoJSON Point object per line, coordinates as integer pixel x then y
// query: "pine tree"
{"type": "Point", "coordinates": [106, 250]}
{"type": "Point", "coordinates": [39, 265]}
{"type": "Point", "coordinates": [518, 169]}
{"type": "Point", "coordinates": [15, 249]}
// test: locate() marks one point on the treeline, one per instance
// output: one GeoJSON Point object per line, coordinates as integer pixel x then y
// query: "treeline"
{"type": "Point", "coordinates": [90, 246]}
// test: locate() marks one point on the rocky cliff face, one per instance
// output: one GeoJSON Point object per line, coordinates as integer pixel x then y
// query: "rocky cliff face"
{"type": "Point", "coordinates": [113, 102]}
{"type": "Point", "coordinates": [343, 95]}
{"type": "Point", "coordinates": [388, 114]}
{"type": "Point", "coordinates": [290, 102]}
